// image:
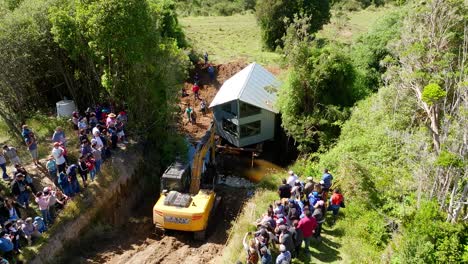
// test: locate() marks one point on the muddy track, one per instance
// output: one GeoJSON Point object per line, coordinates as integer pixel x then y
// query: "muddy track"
{"type": "Point", "coordinates": [136, 242]}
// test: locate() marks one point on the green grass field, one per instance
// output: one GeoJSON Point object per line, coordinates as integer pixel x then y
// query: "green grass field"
{"type": "Point", "coordinates": [348, 27]}
{"type": "Point", "coordinates": [228, 38]}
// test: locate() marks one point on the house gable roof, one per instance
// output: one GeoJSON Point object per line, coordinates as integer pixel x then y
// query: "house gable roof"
{"type": "Point", "coordinates": [253, 85]}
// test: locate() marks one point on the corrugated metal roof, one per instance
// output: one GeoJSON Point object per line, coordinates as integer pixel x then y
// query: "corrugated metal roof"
{"type": "Point", "coordinates": [253, 85]}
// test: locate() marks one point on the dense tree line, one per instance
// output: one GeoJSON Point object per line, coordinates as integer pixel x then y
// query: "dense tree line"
{"type": "Point", "coordinates": [401, 121]}
{"type": "Point", "coordinates": [275, 16]}
{"type": "Point", "coordinates": [127, 52]}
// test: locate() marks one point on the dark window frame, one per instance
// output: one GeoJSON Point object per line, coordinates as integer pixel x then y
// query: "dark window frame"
{"type": "Point", "coordinates": [246, 109]}
{"type": "Point", "coordinates": [228, 126]}
{"type": "Point", "coordinates": [251, 129]}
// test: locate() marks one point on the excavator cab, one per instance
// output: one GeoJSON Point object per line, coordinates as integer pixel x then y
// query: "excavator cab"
{"type": "Point", "coordinates": [176, 178]}
{"type": "Point", "coordinates": [188, 201]}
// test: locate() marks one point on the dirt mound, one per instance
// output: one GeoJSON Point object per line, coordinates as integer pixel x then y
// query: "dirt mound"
{"type": "Point", "coordinates": [208, 90]}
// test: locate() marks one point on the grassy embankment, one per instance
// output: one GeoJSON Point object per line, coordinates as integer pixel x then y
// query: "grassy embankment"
{"type": "Point", "coordinates": [43, 127]}
{"type": "Point", "coordinates": [343, 29]}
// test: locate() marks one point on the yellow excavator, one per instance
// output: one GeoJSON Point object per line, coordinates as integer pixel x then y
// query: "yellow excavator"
{"type": "Point", "coordinates": [187, 199]}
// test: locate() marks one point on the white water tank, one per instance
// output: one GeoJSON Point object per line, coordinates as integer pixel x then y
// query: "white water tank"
{"type": "Point", "coordinates": [65, 108]}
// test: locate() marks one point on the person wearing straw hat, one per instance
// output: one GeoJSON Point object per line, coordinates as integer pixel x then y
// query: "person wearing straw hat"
{"type": "Point", "coordinates": [110, 119]}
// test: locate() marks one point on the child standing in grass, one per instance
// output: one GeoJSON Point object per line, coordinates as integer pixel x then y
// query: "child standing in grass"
{"type": "Point", "coordinates": [90, 163]}
{"type": "Point", "coordinates": [52, 168]}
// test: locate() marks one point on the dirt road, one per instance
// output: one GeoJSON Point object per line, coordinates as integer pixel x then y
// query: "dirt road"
{"type": "Point", "coordinates": [136, 241]}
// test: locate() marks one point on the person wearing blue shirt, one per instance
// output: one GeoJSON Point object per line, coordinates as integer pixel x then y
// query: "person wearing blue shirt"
{"type": "Point", "coordinates": [284, 256]}
{"type": "Point", "coordinates": [327, 179]}
{"type": "Point", "coordinates": [266, 256]}
{"type": "Point", "coordinates": [5, 243]}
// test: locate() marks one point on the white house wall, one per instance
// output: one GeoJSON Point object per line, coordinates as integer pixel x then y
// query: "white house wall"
{"type": "Point", "coordinates": [267, 132]}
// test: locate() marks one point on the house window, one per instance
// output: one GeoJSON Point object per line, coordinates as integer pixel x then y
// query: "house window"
{"type": "Point", "coordinates": [248, 109]}
{"type": "Point", "coordinates": [228, 108]}
{"type": "Point", "coordinates": [230, 127]}
{"type": "Point", "coordinates": [250, 129]}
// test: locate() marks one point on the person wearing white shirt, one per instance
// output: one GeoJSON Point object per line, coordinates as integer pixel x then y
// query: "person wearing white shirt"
{"type": "Point", "coordinates": [57, 153]}
{"type": "Point", "coordinates": [292, 178]}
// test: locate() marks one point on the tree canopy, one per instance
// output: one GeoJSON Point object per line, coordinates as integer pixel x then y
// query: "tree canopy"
{"type": "Point", "coordinates": [274, 17]}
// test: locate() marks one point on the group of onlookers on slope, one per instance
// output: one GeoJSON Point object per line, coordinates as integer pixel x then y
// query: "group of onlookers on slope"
{"type": "Point", "coordinates": [98, 131]}
{"type": "Point", "coordinates": [293, 220]}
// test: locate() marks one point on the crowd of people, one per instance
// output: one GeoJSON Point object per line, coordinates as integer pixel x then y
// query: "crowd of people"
{"type": "Point", "coordinates": [293, 220]}
{"type": "Point", "coordinates": [98, 130]}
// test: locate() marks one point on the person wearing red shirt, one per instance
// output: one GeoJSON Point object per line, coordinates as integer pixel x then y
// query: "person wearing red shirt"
{"type": "Point", "coordinates": [307, 225]}
{"type": "Point", "coordinates": [336, 201]}
{"type": "Point", "coordinates": [196, 90]}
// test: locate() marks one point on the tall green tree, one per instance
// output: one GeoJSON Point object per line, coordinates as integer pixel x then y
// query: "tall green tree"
{"type": "Point", "coordinates": [274, 17]}
{"type": "Point", "coordinates": [319, 89]}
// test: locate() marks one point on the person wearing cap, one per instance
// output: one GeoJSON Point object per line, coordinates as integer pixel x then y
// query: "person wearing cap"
{"type": "Point", "coordinates": [292, 178]}
{"type": "Point", "coordinates": [58, 154]}
{"type": "Point", "coordinates": [3, 166]}
{"type": "Point", "coordinates": [11, 154]}
{"type": "Point", "coordinates": [284, 257]}
{"type": "Point", "coordinates": [59, 136]}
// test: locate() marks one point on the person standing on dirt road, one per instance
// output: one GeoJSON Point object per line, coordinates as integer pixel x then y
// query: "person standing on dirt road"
{"type": "Point", "coordinates": [196, 91]}
{"type": "Point", "coordinates": [211, 72]}
{"type": "Point", "coordinates": [188, 112]}
{"type": "Point", "coordinates": [203, 107]}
